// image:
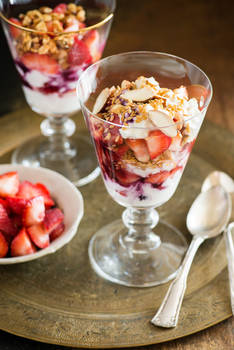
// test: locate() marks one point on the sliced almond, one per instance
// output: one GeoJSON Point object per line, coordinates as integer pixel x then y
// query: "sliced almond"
{"type": "Point", "coordinates": [140, 82]}
{"type": "Point", "coordinates": [163, 122]}
{"type": "Point", "coordinates": [101, 100]}
{"type": "Point", "coordinates": [139, 95]}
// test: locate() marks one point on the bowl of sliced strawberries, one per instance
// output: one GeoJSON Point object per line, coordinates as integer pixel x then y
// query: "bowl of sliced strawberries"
{"type": "Point", "coordinates": [40, 211]}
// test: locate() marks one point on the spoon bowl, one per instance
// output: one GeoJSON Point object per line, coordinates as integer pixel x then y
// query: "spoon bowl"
{"type": "Point", "coordinates": [209, 213]}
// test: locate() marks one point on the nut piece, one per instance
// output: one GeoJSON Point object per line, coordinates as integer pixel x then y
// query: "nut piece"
{"type": "Point", "coordinates": [101, 100]}
{"type": "Point", "coordinates": [139, 95]}
{"type": "Point", "coordinates": [163, 122]}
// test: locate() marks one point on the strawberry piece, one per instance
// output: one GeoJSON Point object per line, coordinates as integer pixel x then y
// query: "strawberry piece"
{"type": "Point", "coordinates": [5, 223]}
{"type": "Point", "coordinates": [43, 63]}
{"type": "Point", "coordinates": [138, 146]}
{"type": "Point", "coordinates": [121, 150]}
{"type": "Point", "coordinates": [27, 190]}
{"type": "Point", "coordinates": [92, 40]}
{"type": "Point", "coordinates": [126, 178]}
{"type": "Point", "coordinates": [79, 53]}
{"type": "Point", "coordinates": [53, 217]}
{"type": "Point", "coordinates": [16, 204]}
{"type": "Point", "coordinates": [5, 205]}
{"type": "Point", "coordinates": [17, 221]}
{"type": "Point", "coordinates": [158, 178]}
{"type": "Point", "coordinates": [199, 92]}
{"type": "Point", "coordinates": [57, 231]}
{"type": "Point", "coordinates": [61, 8]}
{"type": "Point", "coordinates": [21, 244]}
{"type": "Point", "coordinates": [34, 211]}
{"type": "Point", "coordinates": [15, 32]}
{"type": "Point", "coordinates": [3, 246]}
{"type": "Point", "coordinates": [50, 26]}
{"type": "Point", "coordinates": [39, 236]}
{"type": "Point", "coordinates": [9, 184]}
{"type": "Point", "coordinates": [157, 143]}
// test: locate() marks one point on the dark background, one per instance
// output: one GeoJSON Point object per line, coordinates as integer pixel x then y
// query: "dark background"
{"type": "Point", "coordinates": [201, 31]}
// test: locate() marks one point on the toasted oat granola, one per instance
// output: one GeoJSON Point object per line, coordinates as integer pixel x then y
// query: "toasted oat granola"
{"type": "Point", "coordinates": [48, 23]}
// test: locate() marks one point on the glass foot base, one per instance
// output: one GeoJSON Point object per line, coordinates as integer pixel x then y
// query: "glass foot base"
{"type": "Point", "coordinates": [80, 167]}
{"type": "Point", "coordinates": [114, 258]}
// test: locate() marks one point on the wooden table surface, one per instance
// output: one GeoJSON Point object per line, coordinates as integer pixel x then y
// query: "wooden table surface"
{"type": "Point", "coordinates": [201, 31]}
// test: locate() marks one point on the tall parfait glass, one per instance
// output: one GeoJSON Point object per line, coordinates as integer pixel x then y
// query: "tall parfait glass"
{"type": "Point", "coordinates": [144, 111]}
{"type": "Point", "coordinates": [52, 42]}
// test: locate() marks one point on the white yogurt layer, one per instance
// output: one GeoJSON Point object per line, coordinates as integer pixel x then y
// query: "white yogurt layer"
{"type": "Point", "coordinates": [153, 197]}
{"type": "Point", "coordinates": [52, 104]}
{"type": "Point", "coordinates": [36, 79]}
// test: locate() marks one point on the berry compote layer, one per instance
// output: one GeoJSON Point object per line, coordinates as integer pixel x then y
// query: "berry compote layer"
{"type": "Point", "coordinates": [50, 64]}
{"type": "Point", "coordinates": [143, 135]}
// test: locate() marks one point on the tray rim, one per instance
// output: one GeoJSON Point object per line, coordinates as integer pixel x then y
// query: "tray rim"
{"type": "Point", "coordinates": [34, 338]}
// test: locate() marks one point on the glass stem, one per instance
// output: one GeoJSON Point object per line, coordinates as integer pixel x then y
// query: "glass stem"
{"type": "Point", "coordinates": [58, 130]}
{"type": "Point", "coordinates": [140, 222]}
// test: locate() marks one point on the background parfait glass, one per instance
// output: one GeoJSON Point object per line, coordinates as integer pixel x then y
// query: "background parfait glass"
{"type": "Point", "coordinates": [49, 59]}
{"type": "Point", "coordinates": [140, 250]}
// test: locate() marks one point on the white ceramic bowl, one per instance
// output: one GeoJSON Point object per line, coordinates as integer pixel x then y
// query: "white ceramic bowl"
{"type": "Point", "coordinates": [67, 197]}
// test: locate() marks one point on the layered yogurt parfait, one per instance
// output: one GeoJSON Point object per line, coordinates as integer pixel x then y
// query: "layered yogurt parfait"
{"type": "Point", "coordinates": [144, 134]}
{"type": "Point", "coordinates": [50, 55]}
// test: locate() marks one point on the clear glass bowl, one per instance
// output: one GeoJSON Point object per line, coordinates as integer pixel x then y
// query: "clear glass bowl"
{"type": "Point", "coordinates": [50, 59]}
{"type": "Point", "coordinates": [140, 250]}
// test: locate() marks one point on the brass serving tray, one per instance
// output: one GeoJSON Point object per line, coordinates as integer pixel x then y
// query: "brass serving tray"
{"type": "Point", "coordinates": [58, 299]}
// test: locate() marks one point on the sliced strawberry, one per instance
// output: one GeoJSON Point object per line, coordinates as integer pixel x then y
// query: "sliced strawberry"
{"type": "Point", "coordinates": [57, 231]}
{"type": "Point", "coordinates": [15, 32]}
{"type": "Point", "coordinates": [53, 217]}
{"type": "Point", "coordinates": [44, 192]}
{"type": "Point", "coordinates": [27, 190]}
{"type": "Point", "coordinates": [34, 211]}
{"type": "Point", "coordinates": [9, 184]}
{"type": "Point", "coordinates": [50, 26]}
{"type": "Point", "coordinates": [17, 221]}
{"type": "Point", "coordinates": [21, 244]}
{"type": "Point", "coordinates": [43, 63]}
{"type": "Point", "coordinates": [16, 204]}
{"type": "Point", "coordinates": [5, 205]}
{"type": "Point", "coordinates": [121, 150]}
{"type": "Point", "coordinates": [39, 236]}
{"type": "Point", "coordinates": [126, 178]}
{"type": "Point", "coordinates": [61, 8]}
{"type": "Point", "coordinates": [157, 143]}
{"type": "Point", "coordinates": [158, 178]}
{"type": "Point", "coordinates": [199, 92]}
{"type": "Point", "coordinates": [79, 53]}
{"type": "Point", "coordinates": [5, 223]}
{"type": "Point", "coordinates": [3, 245]}
{"type": "Point", "coordinates": [92, 40]}
{"type": "Point", "coordinates": [139, 147]}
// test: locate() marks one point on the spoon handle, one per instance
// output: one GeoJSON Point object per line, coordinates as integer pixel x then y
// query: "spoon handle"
{"type": "Point", "coordinates": [230, 258]}
{"type": "Point", "coordinates": [168, 313]}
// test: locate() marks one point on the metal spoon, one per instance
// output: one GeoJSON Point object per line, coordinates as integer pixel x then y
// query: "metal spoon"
{"type": "Point", "coordinates": [221, 178]}
{"type": "Point", "coordinates": [207, 217]}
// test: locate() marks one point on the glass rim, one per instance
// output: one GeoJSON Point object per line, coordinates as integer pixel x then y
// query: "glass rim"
{"type": "Point", "coordinates": [204, 108]}
{"type": "Point", "coordinates": [80, 31]}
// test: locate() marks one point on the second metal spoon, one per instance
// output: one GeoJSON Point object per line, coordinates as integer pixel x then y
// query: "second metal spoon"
{"type": "Point", "coordinates": [221, 178]}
